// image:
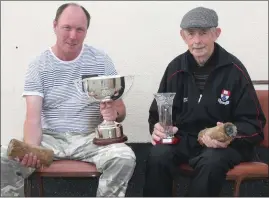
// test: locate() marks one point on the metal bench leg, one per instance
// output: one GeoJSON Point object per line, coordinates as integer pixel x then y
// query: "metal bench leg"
{"type": "Point", "coordinates": [28, 187]}
{"type": "Point", "coordinates": [174, 189]}
{"type": "Point", "coordinates": [40, 185]}
{"type": "Point", "coordinates": [237, 187]}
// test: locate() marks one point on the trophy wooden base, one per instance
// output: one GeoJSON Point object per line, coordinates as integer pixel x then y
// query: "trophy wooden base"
{"type": "Point", "coordinates": [173, 140]}
{"type": "Point", "coordinates": [103, 142]}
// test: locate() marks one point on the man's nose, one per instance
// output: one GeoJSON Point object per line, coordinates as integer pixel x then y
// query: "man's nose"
{"type": "Point", "coordinates": [197, 38]}
{"type": "Point", "coordinates": [73, 34]}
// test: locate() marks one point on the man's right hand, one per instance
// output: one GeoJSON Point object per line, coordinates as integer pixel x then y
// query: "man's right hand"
{"type": "Point", "coordinates": [158, 133]}
{"type": "Point", "coordinates": [30, 160]}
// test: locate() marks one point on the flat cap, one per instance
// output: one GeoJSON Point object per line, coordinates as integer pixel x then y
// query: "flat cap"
{"type": "Point", "coordinates": [199, 17]}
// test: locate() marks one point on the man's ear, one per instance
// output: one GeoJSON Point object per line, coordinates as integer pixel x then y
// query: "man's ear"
{"type": "Point", "coordinates": [54, 25]}
{"type": "Point", "coordinates": [218, 31]}
{"type": "Point", "coordinates": [182, 34]}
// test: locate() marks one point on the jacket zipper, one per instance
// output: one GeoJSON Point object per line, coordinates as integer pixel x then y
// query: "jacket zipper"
{"type": "Point", "coordinates": [197, 90]}
{"type": "Point", "coordinates": [206, 85]}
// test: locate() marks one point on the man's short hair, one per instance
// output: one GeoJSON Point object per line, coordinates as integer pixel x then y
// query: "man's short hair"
{"type": "Point", "coordinates": [199, 17]}
{"type": "Point", "coordinates": [62, 8]}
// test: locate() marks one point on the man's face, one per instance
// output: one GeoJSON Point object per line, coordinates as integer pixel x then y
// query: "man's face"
{"type": "Point", "coordinates": [71, 29]}
{"type": "Point", "coordinates": [200, 41]}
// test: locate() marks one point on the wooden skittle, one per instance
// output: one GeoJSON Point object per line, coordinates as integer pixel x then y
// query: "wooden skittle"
{"type": "Point", "coordinates": [222, 133]}
{"type": "Point", "coordinates": [18, 149]}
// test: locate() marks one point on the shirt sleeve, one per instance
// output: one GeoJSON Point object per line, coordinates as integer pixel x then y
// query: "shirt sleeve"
{"type": "Point", "coordinates": [33, 84]}
{"type": "Point", "coordinates": [109, 66]}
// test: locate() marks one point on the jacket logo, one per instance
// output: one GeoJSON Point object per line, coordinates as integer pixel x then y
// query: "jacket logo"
{"type": "Point", "coordinates": [224, 97]}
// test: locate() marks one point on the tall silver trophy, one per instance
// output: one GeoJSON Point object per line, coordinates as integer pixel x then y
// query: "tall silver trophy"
{"type": "Point", "coordinates": [105, 89]}
{"type": "Point", "coordinates": [165, 106]}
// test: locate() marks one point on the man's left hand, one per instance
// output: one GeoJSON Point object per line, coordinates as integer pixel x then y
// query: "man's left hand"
{"type": "Point", "coordinates": [108, 111]}
{"type": "Point", "coordinates": [211, 143]}
{"type": "Point", "coordinates": [214, 143]}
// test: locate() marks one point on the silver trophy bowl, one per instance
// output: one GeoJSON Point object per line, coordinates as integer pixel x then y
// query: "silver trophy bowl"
{"type": "Point", "coordinates": [105, 89]}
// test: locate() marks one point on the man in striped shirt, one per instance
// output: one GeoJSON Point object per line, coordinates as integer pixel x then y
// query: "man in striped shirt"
{"type": "Point", "coordinates": [59, 117]}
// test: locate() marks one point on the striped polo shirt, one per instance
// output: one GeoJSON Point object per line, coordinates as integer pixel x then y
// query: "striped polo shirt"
{"type": "Point", "coordinates": [65, 108]}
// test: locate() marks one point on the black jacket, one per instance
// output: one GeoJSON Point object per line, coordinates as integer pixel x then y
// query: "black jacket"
{"type": "Point", "coordinates": [239, 104]}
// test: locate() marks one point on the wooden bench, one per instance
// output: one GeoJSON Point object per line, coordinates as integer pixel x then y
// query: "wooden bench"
{"type": "Point", "coordinates": [246, 170]}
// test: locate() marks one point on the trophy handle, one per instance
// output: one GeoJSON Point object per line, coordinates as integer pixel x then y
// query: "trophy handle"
{"type": "Point", "coordinates": [130, 87]}
{"type": "Point", "coordinates": [121, 91]}
{"type": "Point", "coordinates": [77, 83]}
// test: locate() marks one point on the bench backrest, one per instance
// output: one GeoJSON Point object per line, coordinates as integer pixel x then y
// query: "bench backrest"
{"type": "Point", "coordinates": [263, 98]}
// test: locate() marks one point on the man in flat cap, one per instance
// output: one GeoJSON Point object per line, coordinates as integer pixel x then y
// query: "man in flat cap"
{"type": "Point", "coordinates": [212, 87]}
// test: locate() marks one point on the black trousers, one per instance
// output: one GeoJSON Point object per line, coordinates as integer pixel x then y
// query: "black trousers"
{"type": "Point", "coordinates": [210, 166]}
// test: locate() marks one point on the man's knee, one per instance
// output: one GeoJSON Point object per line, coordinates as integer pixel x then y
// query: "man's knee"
{"type": "Point", "coordinates": [123, 151]}
{"type": "Point", "coordinates": [212, 157]}
{"type": "Point", "coordinates": [126, 156]}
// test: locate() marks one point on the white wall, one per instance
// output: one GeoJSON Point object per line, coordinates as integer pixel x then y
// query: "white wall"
{"type": "Point", "coordinates": [141, 38]}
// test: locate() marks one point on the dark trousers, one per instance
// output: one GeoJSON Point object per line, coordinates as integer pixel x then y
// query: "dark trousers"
{"type": "Point", "coordinates": [210, 166]}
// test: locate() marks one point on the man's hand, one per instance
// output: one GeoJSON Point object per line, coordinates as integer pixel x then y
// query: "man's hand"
{"type": "Point", "coordinates": [108, 111]}
{"type": "Point", "coordinates": [214, 143]}
{"type": "Point", "coordinates": [210, 143]}
{"type": "Point", "coordinates": [29, 160]}
{"type": "Point", "coordinates": [219, 123]}
{"type": "Point", "coordinates": [159, 134]}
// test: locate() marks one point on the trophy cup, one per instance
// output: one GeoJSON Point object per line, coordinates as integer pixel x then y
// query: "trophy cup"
{"type": "Point", "coordinates": [105, 89]}
{"type": "Point", "coordinates": [165, 104]}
